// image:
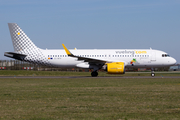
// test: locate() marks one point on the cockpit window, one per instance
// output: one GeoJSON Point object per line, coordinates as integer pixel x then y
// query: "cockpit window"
{"type": "Point", "coordinates": [165, 55]}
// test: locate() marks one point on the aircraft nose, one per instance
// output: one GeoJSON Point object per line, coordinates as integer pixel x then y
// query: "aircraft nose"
{"type": "Point", "coordinates": [173, 61]}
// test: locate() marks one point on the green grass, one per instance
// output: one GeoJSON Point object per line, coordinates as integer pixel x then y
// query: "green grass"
{"type": "Point", "coordinates": [64, 73]}
{"type": "Point", "coordinates": [90, 98]}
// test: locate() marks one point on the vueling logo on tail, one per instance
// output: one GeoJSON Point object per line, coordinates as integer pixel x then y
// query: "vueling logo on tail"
{"type": "Point", "coordinates": [18, 33]}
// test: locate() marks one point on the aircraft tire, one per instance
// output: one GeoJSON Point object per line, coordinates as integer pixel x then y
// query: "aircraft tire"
{"type": "Point", "coordinates": [94, 74]}
{"type": "Point", "coordinates": [152, 74]}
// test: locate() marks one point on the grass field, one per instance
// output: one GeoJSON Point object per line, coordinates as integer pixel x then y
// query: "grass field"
{"type": "Point", "coordinates": [64, 73]}
{"type": "Point", "coordinates": [91, 98]}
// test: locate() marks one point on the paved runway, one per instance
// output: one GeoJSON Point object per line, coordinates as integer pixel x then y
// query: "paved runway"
{"type": "Point", "coordinates": [70, 77]}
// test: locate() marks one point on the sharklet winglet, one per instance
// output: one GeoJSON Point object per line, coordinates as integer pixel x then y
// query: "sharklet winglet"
{"type": "Point", "coordinates": [67, 51]}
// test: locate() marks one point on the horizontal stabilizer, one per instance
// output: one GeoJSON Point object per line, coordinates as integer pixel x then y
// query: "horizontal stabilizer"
{"type": "Point", "coordinates": [15, 55]}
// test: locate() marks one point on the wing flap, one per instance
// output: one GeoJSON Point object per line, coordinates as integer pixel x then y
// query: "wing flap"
{"type": "Point", "coordinates": [91, 60]}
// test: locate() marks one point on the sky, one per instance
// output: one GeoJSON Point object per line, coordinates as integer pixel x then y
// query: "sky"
{"type": "Point", "coordinates": [94, 24]}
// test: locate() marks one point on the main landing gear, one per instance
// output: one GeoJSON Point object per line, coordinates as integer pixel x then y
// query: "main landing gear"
{"type": "Point", "coordinates": [94, 74]}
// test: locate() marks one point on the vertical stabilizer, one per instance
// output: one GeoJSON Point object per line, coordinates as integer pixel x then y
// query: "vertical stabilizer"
{"type": "Point", "coordinates": [24, 48]}
{"type": "Point", "coordinates": [19, 39]}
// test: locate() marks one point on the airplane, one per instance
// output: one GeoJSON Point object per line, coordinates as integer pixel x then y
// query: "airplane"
{"type": "Point", "coordinates": [114, 61]}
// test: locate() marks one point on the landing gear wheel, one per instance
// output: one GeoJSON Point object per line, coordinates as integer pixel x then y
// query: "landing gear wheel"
{"type": "Point", "coordinates": [152, 74]}
{"type": "Point", "coordinates": [94, 74]}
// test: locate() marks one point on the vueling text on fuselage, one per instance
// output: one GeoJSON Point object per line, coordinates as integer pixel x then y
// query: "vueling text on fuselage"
{"type": "Point", "coordinates": [131, 52]}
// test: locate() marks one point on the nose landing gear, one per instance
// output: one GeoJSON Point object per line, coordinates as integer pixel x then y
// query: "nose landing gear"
{"type": "Point", "coordinates": [152, 72]}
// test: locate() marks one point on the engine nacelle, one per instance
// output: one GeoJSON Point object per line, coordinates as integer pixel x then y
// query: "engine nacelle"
{"type": "Point", "coordinates": [115, 68]}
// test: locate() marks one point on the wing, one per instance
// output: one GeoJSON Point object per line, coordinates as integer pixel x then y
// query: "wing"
{"type": "Point", "coordinates": [86, 59]}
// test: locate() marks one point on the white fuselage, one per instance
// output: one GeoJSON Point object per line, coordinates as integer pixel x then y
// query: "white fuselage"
{"type": "Point", "coordinates": [143, 57]}
{"type": "Point", "coordinates": [114, 60]}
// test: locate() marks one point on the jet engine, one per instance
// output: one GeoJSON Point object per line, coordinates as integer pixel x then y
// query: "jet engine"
{"type": "Point", "coordinates": [115, 68]}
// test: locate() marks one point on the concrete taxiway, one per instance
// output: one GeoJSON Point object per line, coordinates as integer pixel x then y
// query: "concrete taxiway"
{"type": "Point", "coordinates": [70, 77]}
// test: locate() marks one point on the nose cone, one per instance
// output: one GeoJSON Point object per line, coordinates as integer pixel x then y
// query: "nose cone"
{"type": "Point", "coordinates": [173, 61]}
